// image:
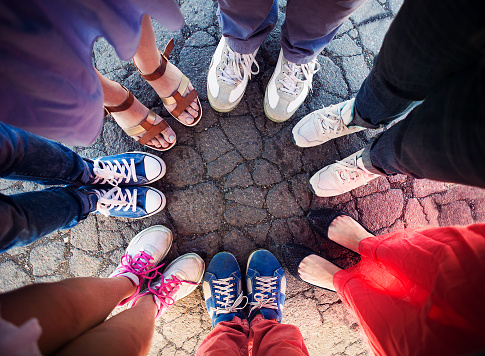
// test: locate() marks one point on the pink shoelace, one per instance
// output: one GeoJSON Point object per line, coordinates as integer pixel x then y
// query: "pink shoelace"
{"type": "Point", "coordinates": [140, 266]}
{"type": "Point", "coordinates": [164, 292]}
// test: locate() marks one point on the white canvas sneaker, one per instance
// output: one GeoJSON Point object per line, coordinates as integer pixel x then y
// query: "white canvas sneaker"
{"type": "Point", "coordinates": [228, 76]}
{"type": "Point", "coordinates": [288, 88]}
{"type": "Point", "coordinates": [342, 176]}
{"type": "Point", "coordinates": [142, 256]}
{"type": "Point", "coordinates": [325, 124]}
{"type": "Point", "coordinates": [179, 279]}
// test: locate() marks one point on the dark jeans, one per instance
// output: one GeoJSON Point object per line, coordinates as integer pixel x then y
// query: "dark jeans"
{"type": "Point", "coordinates": [308, 27]}
{"type": "Point", "coordinates": [28, 216]}
{"type": "Point", "coordinates": [434, 52]}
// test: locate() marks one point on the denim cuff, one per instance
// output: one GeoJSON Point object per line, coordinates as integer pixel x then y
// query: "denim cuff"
{"type": "Point", "coordinates": [242, 46]}
{"type": "Point", "coordinates": [367, 160]}
{"type": "Point", "coordinates": [88, 201]}
{"type": "Point", "coordinates": [359, 121]}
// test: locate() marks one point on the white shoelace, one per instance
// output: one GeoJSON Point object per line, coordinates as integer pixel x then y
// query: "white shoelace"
{"type": "Point", "coordinates": [266, 287]}
{"type": "Point", "coordinates": [297, 73]}
{"type": "Point", "coordinates": [224, 291]}
{"type": "Point", "coordinates": [331, 121]}
{"type": "Point", "coordinates": [238, 66]}
{"type": "Point", "coordinates": [115, 199]}
{"type": "Point", "coordinates": [114, 172]}
{"type": "Point", "coordinates": [349, 171]}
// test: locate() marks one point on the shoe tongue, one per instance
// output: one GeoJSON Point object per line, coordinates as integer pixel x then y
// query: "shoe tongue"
{"type": "Point", "coordinates": [181, 276]}
{"type": "Point", "coordinates": [149, 250]}
{"type": "Point", "coordinates": [360, 164]}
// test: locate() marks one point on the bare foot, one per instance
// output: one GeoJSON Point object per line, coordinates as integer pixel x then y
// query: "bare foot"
{"type": "Point", "coordinates": [347, 232]}
{"type": "Point", "coordinates": [318, 271]}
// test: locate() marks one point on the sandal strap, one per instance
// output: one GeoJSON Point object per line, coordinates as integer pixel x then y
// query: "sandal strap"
{"type": "Point", "coordinates": [150, 130]}
{"type": "Point", "coordinates": [125, 105]}
{"type": "Point", "coordinates": [163, 63]}
{"type": "Point", "coordinates": [177, 98]}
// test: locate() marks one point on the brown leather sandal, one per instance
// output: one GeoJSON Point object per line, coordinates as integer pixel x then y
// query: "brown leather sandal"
{"type": "Point", "coordinates": [150, 130]}
{"type": "Point", "coordinates": [176, 98]}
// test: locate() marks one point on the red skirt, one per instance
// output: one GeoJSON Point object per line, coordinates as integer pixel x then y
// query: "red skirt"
{"type": "Point", "coordinates": [420, 292]}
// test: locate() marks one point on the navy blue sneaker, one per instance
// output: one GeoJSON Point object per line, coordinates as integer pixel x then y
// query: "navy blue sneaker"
{"type": "Point", "coordinates": [222, 287]}
{"type": "Point", "coordinates": [126, 202]}
{"type": "Point", "coordinates": [127, 169]}
{"type": "Point", "coordinates": [266, 283]}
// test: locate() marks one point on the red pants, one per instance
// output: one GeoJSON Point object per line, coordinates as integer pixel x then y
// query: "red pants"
{"type": "Point", "coordinates": [420, 292]}
{"type": "Point", "coordinates": [263, 338]}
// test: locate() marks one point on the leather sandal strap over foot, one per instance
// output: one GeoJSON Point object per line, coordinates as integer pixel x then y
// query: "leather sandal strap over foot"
{"type": "Point", "coordinates": [157, 73]}
{"type": "Point", "coordinates": [150, 131]}
{"type": "Point", "coordinates": [181, 101]}
{"type": "Point", "coordinates": [177, 97]}
{"type": "Point", "coordinates": [125, 105]}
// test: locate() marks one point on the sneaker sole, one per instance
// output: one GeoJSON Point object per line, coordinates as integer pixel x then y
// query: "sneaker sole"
{"type": "Point", "coordinates": [211, 99]}
{"type": "Point", "coordinates": [265, 105]}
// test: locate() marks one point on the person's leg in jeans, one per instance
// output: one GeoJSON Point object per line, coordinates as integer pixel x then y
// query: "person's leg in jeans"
{"type": "Point", "coordinates": [430, 61]}
{"type": "Point", "coordinates": [28, 216]}
{"type": "Point", "coordinates": [25, 156]}
{"type": "Point", "coordinates": [244, 27]}
{"type": "Point", "coordinates": [309, 26]}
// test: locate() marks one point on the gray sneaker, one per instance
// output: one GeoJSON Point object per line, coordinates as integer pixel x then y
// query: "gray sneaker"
{"type": "Point", "coordinates": [288, 88]}
{"type": "Point", "coordinates": [228, 76]}
{"type": "Point", "coordinates": [325, 124]}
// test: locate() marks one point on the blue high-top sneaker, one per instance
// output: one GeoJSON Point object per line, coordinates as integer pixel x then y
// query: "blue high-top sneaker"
{"type": "Point", "coordinates": [126, 169]}
{"type": "Point", "coordinates": [222, 287]}
{"type": "Point", "coordinates": [125, 202]}
{"type": "Point", "coordinates": [266, 283]}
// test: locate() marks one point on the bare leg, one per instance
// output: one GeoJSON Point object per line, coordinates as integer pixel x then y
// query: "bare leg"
{"type": "Point", "coordinates": [114, 95]}
{"type": "Point", "coordinates": [346, 232]}
{"type": "Point", "coordinates": [65, 309]}
{"type": "Point", "coordinates": [147, 58]}
{"type": "Point", "coordinates": [127, 333]}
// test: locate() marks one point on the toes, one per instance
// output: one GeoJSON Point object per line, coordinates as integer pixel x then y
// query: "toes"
{"type": "Point", "coordinates": [157, 142]}
{"type": "Point", "coordinates": [185, 117]}
{"type": "Point", "coordinates": [192, 112]}
{"type": "Point", "coordinates": [194, 104]}
{"type": "Point", "coordinates": [168, 136]}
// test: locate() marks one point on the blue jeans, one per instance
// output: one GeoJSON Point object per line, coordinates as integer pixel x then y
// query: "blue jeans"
{"type": "Point", "coordinates": [433, 55]}
{"type": "Point", "coordinates": [309, 24]}
{"type": "Point", "coordinates": [28, 216]}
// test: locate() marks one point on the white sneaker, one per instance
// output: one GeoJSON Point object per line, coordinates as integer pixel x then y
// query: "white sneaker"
{"type": "Point", "coordinates": [342, 176]}
{"type": "Point", "coordinates": [179, 279]}
{"type": "Point", "coordinates": [288, 88]}
{"type": "Point", "coordinates": [325, 124]}
{"type": "Point", "coordinates": [228, 76]}
{"type": "Point", "coordinates": [143, 254]}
